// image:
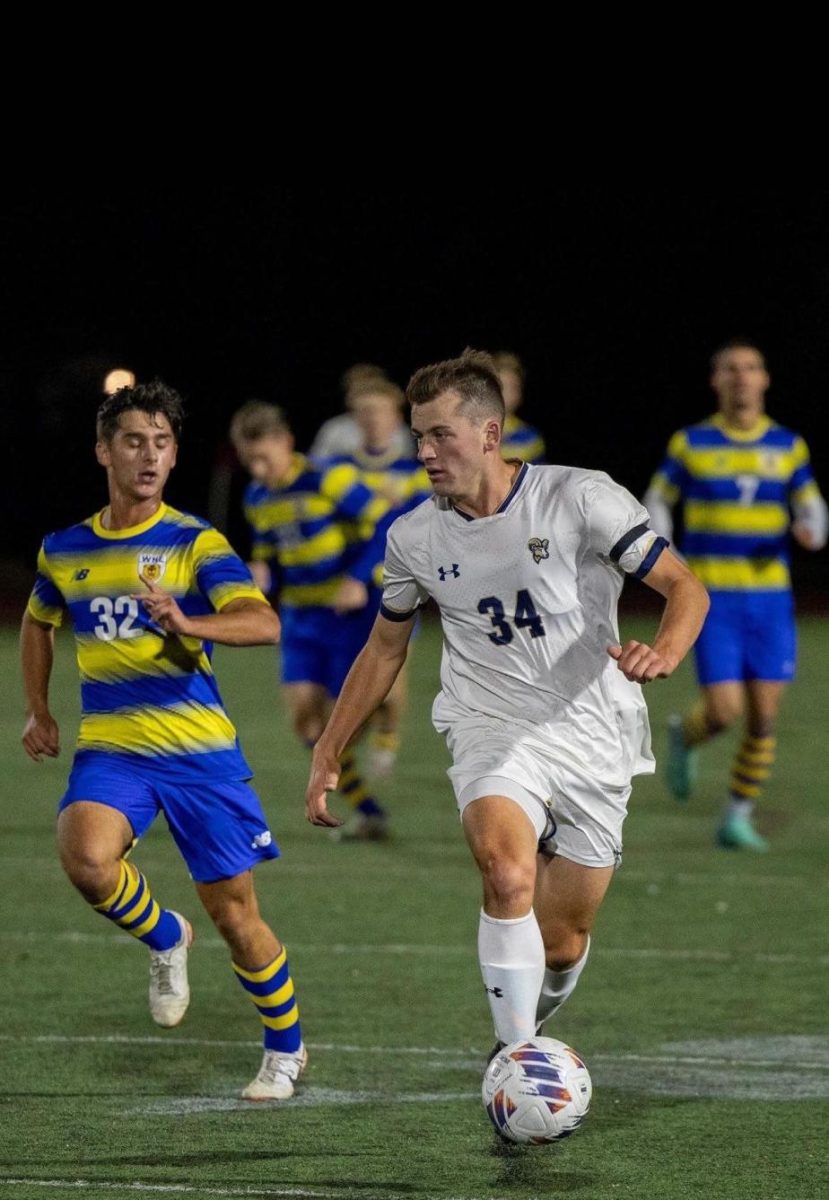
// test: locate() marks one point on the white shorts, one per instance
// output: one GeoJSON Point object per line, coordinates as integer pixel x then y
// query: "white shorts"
{"type": "Point", "coordinates": [573, 815]}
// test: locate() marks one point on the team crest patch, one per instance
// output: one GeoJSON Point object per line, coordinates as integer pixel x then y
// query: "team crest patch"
{"type": "Point", "coordinates": [538, 548]}
{"type": "Point", "coordinates": [152, 566]}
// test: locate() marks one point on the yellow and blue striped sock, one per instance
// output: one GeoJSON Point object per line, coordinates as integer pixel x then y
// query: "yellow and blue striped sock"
{"type": "Point", "coordinates": [752, 767]}
{"type": "Point", "coordinates": [272, 991]}
{"type": "Point", "coordinates": [132, 907]}
{"type": "Point", "coordinates": [352, 788]}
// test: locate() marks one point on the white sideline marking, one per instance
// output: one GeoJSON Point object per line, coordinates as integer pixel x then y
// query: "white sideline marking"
{"type": "Point", "coordinates": [425, 950]}
{"type": "Point", "coordinates": [119, 1186]}
{"type": "Point", "coordinates": [769, 1069]}
{"type": "Point", "coordinates": [308, 1097]}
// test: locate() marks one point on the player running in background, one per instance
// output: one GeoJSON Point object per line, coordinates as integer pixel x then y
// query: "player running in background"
{"type": "Point", "coordinates": [341, 435]}
{"type": "Point", "coordinates": [743, 483]}
{"type": "Point", "coordinates": [324, 529]}
{"type": "Point", "coordinates": [148, 590]}
{"type": "Point", "coordinates": [540, 704]}
{"type": "Point", "coordinates": [404, 483]}
{"type": "Point", "coordinates": [519, 440]}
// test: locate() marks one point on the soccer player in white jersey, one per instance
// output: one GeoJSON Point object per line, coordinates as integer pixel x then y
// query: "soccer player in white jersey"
{"type": "Point", "coordinates": [540, 704]}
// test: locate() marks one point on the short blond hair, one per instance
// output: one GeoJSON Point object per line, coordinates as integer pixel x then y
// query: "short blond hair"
{"type": "Point", "coordinates": [257, 419]}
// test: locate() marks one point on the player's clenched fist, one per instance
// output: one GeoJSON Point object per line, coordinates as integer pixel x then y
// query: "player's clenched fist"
{"type": "Point", "coordinates": [640, 663]}
{"type": "Point", "coordinates": [41, 736]}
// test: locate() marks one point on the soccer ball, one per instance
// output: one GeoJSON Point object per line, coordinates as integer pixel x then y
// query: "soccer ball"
{"type": "Point", "coordinates": [536, 1091]}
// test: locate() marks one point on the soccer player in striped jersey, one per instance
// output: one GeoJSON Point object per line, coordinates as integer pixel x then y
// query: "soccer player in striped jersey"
{"type": "Point", "coordinates": [744, 484]}
{"type": "Point", "coordinates": [149, 590]}
{"type": "Point", "coordinates": [519, 440]}
{"type": "Point", "coordinates": [324, 528]}
{"type": "Point", "coordinates": [540, 703]}
{"type": "Point", "coordinates": [404, 483]}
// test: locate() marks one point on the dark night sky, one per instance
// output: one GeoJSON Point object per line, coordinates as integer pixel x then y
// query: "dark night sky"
{"type": "Point", "coordinates": [613, 301]}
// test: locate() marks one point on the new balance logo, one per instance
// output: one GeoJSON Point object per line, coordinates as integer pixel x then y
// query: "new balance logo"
{"type": "Point", "coordinates": [444, 571]}
{"type": "Point", "coordinates": [496, 992]}
{"type": "Point", "coordinates": [82, 574]}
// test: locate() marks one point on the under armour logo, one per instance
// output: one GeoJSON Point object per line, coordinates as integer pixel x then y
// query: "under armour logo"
{"type": "Point", "coordinates": [444, 571]}
{"type": "Point", "coordinates": [496, 992]}
{"type": "Point", "coordinates": [82, 574]}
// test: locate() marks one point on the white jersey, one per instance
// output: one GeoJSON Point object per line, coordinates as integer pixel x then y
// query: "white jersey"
{"type": "Point", "coordinates": [527, 600]}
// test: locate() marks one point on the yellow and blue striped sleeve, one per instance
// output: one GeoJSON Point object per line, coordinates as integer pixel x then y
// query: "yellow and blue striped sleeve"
{"type": "Point", "coordinates": [351, 496]}
{"type": "Point", "coordinates": [802, 484]}
{"type": "Point", "coordinates": [46, 602]}
{"type": "Point", "coordinates": [668, 482]}
{"type": "Point", "coordinates": [220, 573]}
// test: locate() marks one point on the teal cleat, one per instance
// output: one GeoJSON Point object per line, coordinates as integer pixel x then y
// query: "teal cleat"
{"type": "Point", "coordinates": [738, 833]}
{"type": "Point", "coordinates": [681, 768]}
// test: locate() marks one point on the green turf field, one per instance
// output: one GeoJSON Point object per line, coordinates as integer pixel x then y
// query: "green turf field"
{"type": "Point", "coordinates": [702, 1014]}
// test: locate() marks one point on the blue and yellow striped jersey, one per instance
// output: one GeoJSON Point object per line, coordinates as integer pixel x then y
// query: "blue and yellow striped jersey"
{"type": "Point", "coordinates": [146, 696]}
{"type": "Point", "coordinates": [520, 440]}
{"type": "Point", "coordinates": [736, 490]}
{"type": "Point", "coordinates": [321, 524]}
{"type": "Point", "coordinates": [399, 478]}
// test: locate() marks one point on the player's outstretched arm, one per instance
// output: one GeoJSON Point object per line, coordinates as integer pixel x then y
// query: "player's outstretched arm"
{"type": "Point", "coordinates": [41, 735]}
{"type": "Point", "coordinates": [686, 604]}
{"type": "Point", "coordinates": [242, 622]}
{"type": "Point", "coordinates": [366, 687]}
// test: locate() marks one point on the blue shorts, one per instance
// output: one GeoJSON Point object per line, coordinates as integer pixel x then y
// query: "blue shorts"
{"type": "Point", "coordinates": [219, 827]}
{"type": "Point", "coordinates": [319, 646]}
{"type": "Point", "coordinates": [747, 636]}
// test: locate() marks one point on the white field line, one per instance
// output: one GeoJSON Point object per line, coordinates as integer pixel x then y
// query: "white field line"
{"type": "Point", "coordinates": [423, 950]}
{"type": "Point", "coordinates": [458, 1057]}
{"type": "Point", "coordinates": [174, 1188]}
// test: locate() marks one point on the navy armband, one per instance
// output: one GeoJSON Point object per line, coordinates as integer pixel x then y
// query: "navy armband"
{"type": "Point", "coordinates": [627, 539]}
{"type": "Point", "coordinates": [650, 558]}
{"type": "Point", "coordinates": [391, 615]}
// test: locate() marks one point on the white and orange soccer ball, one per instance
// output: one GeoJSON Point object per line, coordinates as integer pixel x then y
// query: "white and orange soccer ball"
{"type": "Point", "coordinates": [536, 1091]}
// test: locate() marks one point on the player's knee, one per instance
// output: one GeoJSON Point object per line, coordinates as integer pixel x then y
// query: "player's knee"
{"type": "Point", "coordinates": [507, 880]}
{"type": "Point", "coordinates": [93, 872]}
{"type": "Point", "coordinates": [722, 715]}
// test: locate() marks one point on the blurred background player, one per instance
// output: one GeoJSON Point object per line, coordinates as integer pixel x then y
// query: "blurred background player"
{"type": "Point", "coordinates": [323, 528]}
{"type": "Point", "coordinates": [520, 440]}
{"type": "Point", "coordinates": [154, 735]}
{"type": "Point", "coordinates": [378, 413]}
{"type": "Point", "coordinates": [739, 477]}
{"type": "Point", "coordinates": [341, 434]}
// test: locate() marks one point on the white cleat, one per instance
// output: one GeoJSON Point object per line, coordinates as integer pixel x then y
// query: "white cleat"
{"type": "Point", "coordinates": [169, 989]}
{"type": "Point", "coordinates": [277, 1075]}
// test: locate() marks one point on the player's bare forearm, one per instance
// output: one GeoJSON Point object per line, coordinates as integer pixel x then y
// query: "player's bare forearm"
{"type": "Point", "coordinates": [366, 687]}
{"type": "Point", "coordinates": [686, 604]}
{"type": "Point", "coordinates": [251, 624]}
{"type": "Point", "coordinates": [41, 735]}
{"type": "Point", "coordinates": [242, 622]}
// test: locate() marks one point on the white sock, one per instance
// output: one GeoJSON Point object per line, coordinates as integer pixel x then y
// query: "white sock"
{"type": "Point", "coordinates": [558, 985]}
{"type": "Point", "coordinates": [511, 954]}
{"type": "Point", "coordinates": [739, 807]}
